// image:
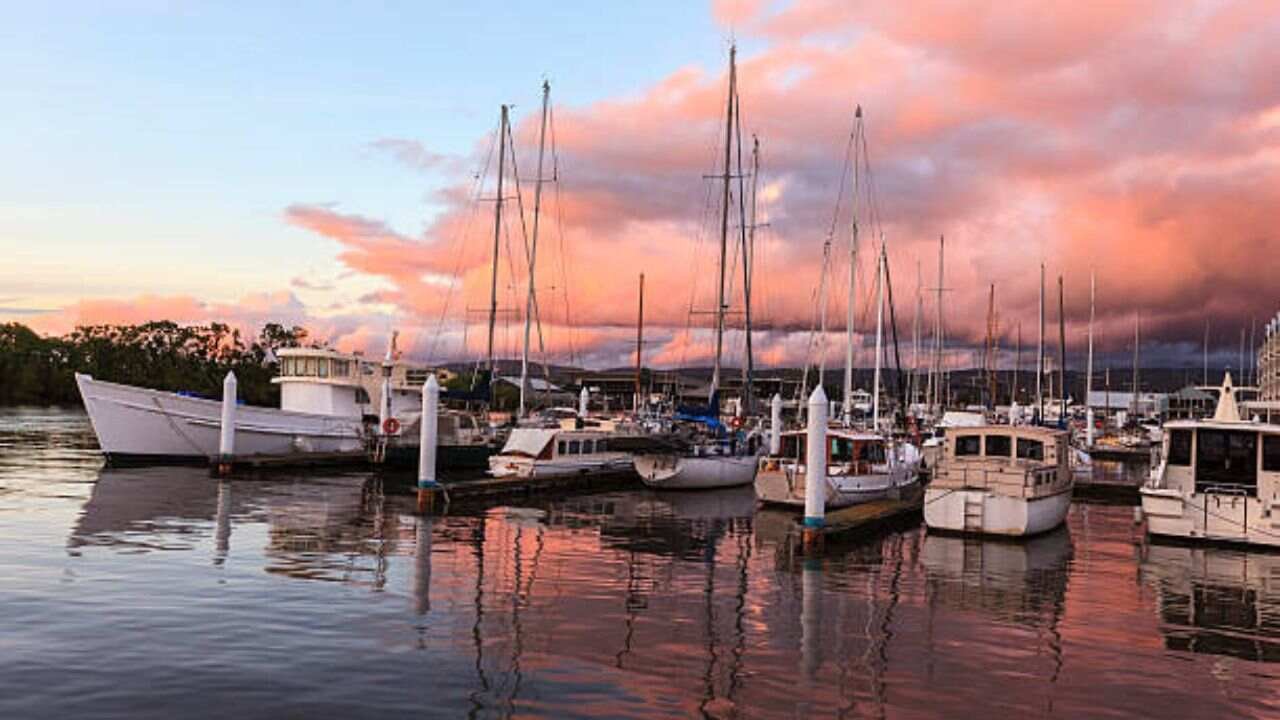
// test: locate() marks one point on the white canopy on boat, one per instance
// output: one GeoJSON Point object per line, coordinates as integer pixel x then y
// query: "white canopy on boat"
{"type": "Point", "coordinates": [528, 441]}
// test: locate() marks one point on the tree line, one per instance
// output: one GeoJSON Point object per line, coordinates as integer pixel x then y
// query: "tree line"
{"type": "Point", "coordinates": [40, 370]}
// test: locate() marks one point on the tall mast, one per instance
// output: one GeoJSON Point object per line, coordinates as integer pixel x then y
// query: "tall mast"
{"type": "Point", "coordinates": [1017, 368]}
{"type": "Point", "coordinates": [1062, 355]}
{"type": "Point", "coordinates": [1137, 323]}
{"type": "Point", "coordinates": [875, 392]}
{"type": "Point", "coordinates": [1088, 372]}
{"type": "Point", "coordinates": [1040, 353]}
{"type": "Point", "coordinates": [639, 344]}
{"type": "Point", "coordinates": [847, 406]}
{"type": "Point", "coordinates": [748, 269]}
{"type": "Point", "coordinates": [724, 215]}
{"type": "Point", "coordinates": [937, 334]}
{"type": "Point", "coordinates": [1206, 353]}
{"type": "Point", "coordinates": [530, 299]}
{"type": "Point", "coordinates": [915, 337]}
{"type": "Point", "coordinates": [497, 239]}
{"type": "Point", "coordinates": [988, 356]}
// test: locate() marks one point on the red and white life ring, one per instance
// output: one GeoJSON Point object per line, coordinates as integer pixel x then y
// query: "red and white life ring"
{"type": "Point", "coordinates": [391, 426]}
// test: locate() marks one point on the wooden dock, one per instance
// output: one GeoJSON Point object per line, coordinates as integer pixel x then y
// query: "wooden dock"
{"type": "Point", "coordinates": [861, 520]}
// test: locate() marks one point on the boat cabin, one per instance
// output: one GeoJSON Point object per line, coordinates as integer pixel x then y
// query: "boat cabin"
{"type": "Point", "coordinates": [1020, 460]}
{"type": "Point", "coordinates": [551, 444]}
{"type": "Point", "coordinates": [850, 453]}
{"type": "Point", "coordinates": [324, 382]}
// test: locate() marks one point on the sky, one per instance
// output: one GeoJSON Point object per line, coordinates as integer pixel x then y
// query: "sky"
{"type": "Point", "coordinates": [332, 165]}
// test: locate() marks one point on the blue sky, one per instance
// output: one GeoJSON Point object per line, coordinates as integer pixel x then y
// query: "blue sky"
{"type": "Point", "coordinates": [152, 146]}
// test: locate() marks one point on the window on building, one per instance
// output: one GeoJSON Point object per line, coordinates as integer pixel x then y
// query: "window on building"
{"type": "Point", "coordinates": [1180, 447]}
{"type": "Point", "coordinates": [322, 365]}
{"type": "Point", "coordinates": [997, 446]}
{"type": "Point", "coordinates": [1271, 453]}
{"type": "Point", "coordinates": [1030, 449]}
{"type": "Point", "coordinates": [968, 445]}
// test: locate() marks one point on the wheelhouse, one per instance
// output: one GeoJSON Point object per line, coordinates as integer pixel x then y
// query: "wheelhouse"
{"type": "Point", "coordinates": [1221, 458]}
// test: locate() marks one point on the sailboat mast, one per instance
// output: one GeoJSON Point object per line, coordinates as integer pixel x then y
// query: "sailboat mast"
{"type": "Point", "coordinates": [1017, 368]}
{"type": "Point", "coordinates": [875, 392]}
{"type": "Point", "coordinates": [850, 306]}
{"type": "Point", "coordinates": [748, 268]}
{"type": "Point", "coordinates": [530, 298]}
{"type": "Point", "coordinates": [937, 335]}
{"type": "Point", "coordinates": [988, 356]}
{"type": "Point", "coordinates": [497, 239]}
{"type": "Point", "coordinates": [639, 344]}
{"type": "Point", "coordinates": [1137, 324]}
{"type": "Point", "coordinates": [1062, 355]}
{"type": "Point", "coordinates": [724, 217]}
{"type": "Point", "coordinates": [1040, 353]}
{"type": "Point", "coordinates": [1088, 372]}
{"type": "Point", "coordinates": [915, 337]}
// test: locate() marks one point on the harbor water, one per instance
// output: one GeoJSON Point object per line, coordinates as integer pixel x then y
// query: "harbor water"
{"type": "Point", "coordinates": [163, 592]}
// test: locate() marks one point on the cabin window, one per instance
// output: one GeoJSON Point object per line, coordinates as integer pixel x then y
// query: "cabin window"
{"type": "Point", "coordinates": [841, 450]}
{"type": "Point", "coordinates": [968, 445]}
{"type": "Point", "coordinates": [792, 446]}
{"type": "Point", "coordinates": [1030, 449]}
{"type": "Point", "coordinates": [871, 453]}
{"type": "Point", "coordinates": [561, 448]}
{"type": "Point", "coordinates": [998, 446]}
{"type": "Point", "coordinates": [575, 447]}
{"type": "Point", "coordinates": [1180, 448]}
{"type": "Point", "coordinates": [1226, 458]}
{"type": "Point", "coordinates": [1271, 453]}
{"type": "Point", "coordinates": [588, 447]}
{"type": "Point", "coordinates": [602, 446]}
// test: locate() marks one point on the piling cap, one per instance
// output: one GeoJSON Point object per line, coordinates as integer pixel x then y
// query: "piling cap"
{"type": "Point", "coordinates": [776, 400]}
{"type": "Point", "coordinates": [230, 378]}
{"type": "Point", "coordinates": [431, 385]}
{"type": "Point", "coordinates": [819, 396]}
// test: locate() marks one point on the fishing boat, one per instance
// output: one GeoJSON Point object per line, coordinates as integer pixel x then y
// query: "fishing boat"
{"type": "Point", "coordinates": [861, 466]}
{"type": "Point", "coordinates": [1001, 480]}
{"type": "Point", "coordinates": [537, 453]}
{"type": "Point", "coordinates": [1217, 479]}
{"type": "Point", "coordinates": [330, 403]}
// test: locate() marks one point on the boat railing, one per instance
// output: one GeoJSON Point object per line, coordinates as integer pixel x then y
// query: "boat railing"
{"type": "Point", "coordinates": [1004, 477]}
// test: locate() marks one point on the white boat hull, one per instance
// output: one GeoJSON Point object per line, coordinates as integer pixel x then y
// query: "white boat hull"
{"type": "Point", "coordinates": [676, 472]}
{"type": "Point", "coordinates": [983, 512]}
{"type": "Point", "coordinates": [140, 425]}
{"type": "Point", "coordinates": [1211, 517]}
{"type": "Point", "coordinates": [506, 466]}
{"type": "Point", "coordinates": [781, 487]}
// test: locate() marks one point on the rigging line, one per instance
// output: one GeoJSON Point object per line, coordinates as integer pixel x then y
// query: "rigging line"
{"type": "Point", "coordinates": [699, 241]}
{"type": "Point", "coordinates": [458, 242]}
{"type": "Point", "coordinates": [564, 258]}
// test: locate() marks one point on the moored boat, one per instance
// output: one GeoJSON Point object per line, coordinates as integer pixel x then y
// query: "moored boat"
{"type": "Point", "coordinates": [1217, 480]}
{"type": "Point", "coordinates": [1001, 480]}
{"type": "Point", "coordinates": [861, 467]}
{"type": "Point", "coordinates": [560, 452]}
{"type": "Point", "coordinates": [330, 403]}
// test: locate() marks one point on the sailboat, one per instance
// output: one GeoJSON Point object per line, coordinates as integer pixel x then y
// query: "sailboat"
{"type": "Point", "coordinates": [704, 452]}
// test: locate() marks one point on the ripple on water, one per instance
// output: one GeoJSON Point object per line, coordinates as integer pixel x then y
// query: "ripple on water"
{"type": "Point", "coordinates": [159, 591]}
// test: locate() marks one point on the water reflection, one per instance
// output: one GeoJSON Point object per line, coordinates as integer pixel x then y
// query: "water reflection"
{"type": "Point", "coordinates": [1216, 601]}
{"type": "Point", "coordinates": [633, 603]}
